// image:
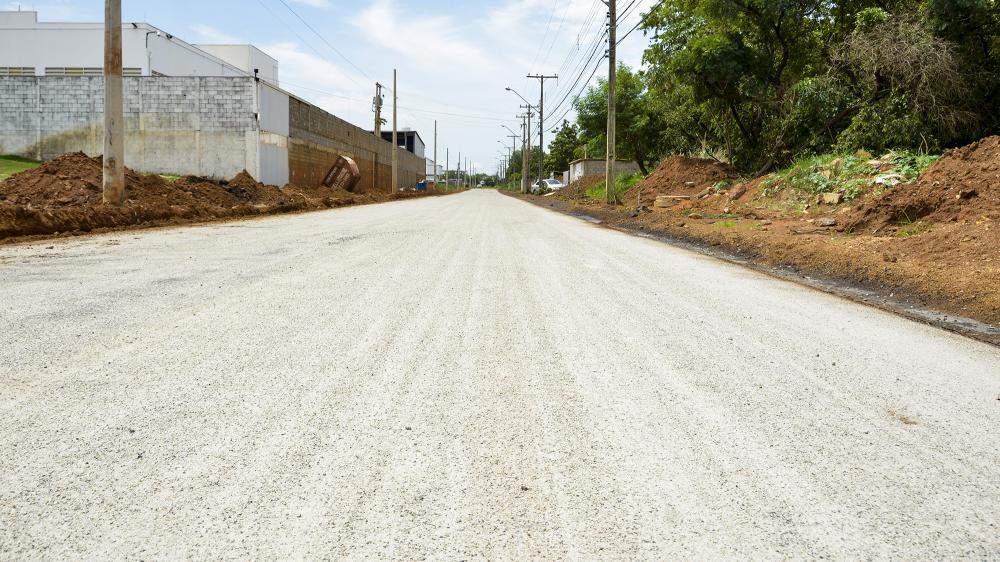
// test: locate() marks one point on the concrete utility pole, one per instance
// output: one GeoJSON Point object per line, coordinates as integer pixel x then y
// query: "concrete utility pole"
{"type": "Point", "coordinates": [447, 163]}
{"type": "Point", "coordinates": [461, 182]}
{"type": "Point", "coordinates": [377, 104]}
{"type": "Point", "coordinates": [114, 106]}
{"type": "Point", "coordinates": [609, 172]}
{"type": "Point", "coordinates": [435, 153]}
{"type": "Point", "coordinates": [527, 154]}
{"type": "Point", "coordinates": [395, 135]}
{"type": "Point", "coordinates": [541, 121]}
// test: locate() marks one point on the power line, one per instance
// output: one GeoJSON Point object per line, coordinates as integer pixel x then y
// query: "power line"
{"type": "Point", "coordinates": [323, 39]}
{"type": "Point", "coordinates": [366, 101]}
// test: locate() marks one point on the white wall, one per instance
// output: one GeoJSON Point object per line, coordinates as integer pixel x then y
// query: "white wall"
{"type": "Point", "coordinates": [274, 128]}
{"type": "Point", "coordinates": [25, 42]}
{"type": "Point", "coordinates": [246, 58]}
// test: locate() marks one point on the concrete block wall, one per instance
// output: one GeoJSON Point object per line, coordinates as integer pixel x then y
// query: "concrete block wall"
{"type": "Point", "coordinates": [316, 138]}
{"type": "Point", "coordinates": [207, 126]}
{"type": "Point", "coordinates": [176, 125]}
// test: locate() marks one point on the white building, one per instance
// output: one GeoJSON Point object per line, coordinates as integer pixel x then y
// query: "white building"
{"type": "Point", "coordinates": [579, 169]}
{"type": "Point", "coordinates": [32, 48]}
{"type": "Point", "coordinates": [433, 173]}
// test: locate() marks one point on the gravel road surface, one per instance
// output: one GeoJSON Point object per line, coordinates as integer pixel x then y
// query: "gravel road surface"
{"type": "Point", "coordinates": [472, 377]}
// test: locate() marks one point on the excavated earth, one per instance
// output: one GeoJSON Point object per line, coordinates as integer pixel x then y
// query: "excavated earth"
{"type": "Point", "coordinates": [934, 243]}
{"type": "Point", "coordinates": [63, 197]}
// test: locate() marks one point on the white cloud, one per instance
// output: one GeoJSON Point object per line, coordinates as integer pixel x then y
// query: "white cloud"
{"type": "Point", "coordinates": [208, 34]}
{"type": "Point", "coordinates": [321, 82]}
{"type": "Point", "coordinates": [437, 46]}
{"type": "Point", "coordinates": [314, 3]}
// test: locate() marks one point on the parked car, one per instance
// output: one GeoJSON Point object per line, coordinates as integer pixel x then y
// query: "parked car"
{"type": "Point", "coordinates": [545, 186]}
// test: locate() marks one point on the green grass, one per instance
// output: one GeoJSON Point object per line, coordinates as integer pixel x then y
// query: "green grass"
{"type": "Point", "coordinates": [623, 183]}
{"type": "Point", "coordinates": [170, 178]}
{"type": "Point", "coordinates": [726, 224]}
{"type": "Point", "coordinates": [850, 175]}
{"type": "Point", "coordinates": [10, 165]}
{"type": "Point", "coordinates": [908, 228]}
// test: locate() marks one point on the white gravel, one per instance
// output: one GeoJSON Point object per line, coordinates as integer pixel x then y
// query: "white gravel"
{"type": "Point", "coordinates": [472, 377]}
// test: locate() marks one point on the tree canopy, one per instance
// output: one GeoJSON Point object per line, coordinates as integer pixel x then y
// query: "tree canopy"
{"type": "Point", "coordinates": [761, 82]}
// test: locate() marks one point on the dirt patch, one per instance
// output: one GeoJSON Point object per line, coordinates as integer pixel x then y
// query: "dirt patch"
{"type": "Point", "coordinates": [944, 258]}
{"type": "Point", "coordinates": [964, 185]}
{"type": "Point", "coordinates": [63, 196]}
{"type": "Point", "coordinates": [680, 175]}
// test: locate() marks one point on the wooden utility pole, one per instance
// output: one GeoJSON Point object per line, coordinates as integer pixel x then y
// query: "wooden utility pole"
{"type": "Point", "coordinates": [609, 172]}
{"type": "Point", "coordinates": [114, 107]}
{"type": "Point", "coordinates": [541, 121]}
{"type": "Point", "coordinates": [395, 135]}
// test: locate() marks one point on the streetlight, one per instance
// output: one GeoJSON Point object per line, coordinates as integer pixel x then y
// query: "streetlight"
{"type": "Point", "coordinates": [509, 89]}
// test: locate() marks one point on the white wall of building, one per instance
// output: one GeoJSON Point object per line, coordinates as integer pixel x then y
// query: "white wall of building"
{"type": "Point", "coordinates": [247, 58]}
{"type": "Point", "coordinates": [27, 43]}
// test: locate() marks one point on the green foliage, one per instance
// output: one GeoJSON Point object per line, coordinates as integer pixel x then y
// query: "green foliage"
{"type": "Point", "coordinates": [563, 148]}
{"type": "Point", "coordinates": [623, 183]}
{"type": "Point", "coordinates": [851, 175]}
{"type": "Point", "coordinates": [10, 165]}
{"type": "Point", "coordinates": [870, 18]}
{"type": "Point", "coordinates": [762, 82]}
{"type": "Point", "coordinates": [886, 126]}
{"type": "Point", "coordinates": [638, 123]}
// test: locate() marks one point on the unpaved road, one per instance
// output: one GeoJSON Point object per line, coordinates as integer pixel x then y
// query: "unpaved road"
{"type": "Point", "coordinates": [472, 377]}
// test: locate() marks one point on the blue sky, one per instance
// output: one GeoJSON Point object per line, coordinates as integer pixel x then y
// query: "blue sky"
{"type": "Point", "coordinates": [454, 58]}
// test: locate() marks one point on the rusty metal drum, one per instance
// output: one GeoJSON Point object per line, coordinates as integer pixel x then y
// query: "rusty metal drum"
{"type": "Point", "coordinates": [344, 174]}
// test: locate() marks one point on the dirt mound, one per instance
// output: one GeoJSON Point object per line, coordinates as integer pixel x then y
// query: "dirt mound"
{"type": "Point", "coordinates": [964, 185]}
{"type": "Point", "coordinates": [64, 195]}
{"type": "Point", "coordinates": [578, 189]}
{"type": "Point", "coordinates": [70, 180]}
{"type": "Point", "coordinates": [680, 175]}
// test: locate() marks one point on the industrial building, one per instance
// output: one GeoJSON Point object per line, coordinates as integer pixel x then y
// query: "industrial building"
{"type": "Point", "coordinates": [206, 110]}
{"type": "Point", "coordinates": [407, 139]}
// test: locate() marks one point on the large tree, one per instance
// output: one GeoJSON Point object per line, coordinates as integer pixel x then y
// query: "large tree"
{"type": "Point", "coordinates": [638, 125]}
{"type": "Point", "coordinates": [563, 148]}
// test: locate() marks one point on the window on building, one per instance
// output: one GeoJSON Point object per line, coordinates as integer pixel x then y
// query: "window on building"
{"type": "Point", "coordinates": [17, 71]}
{"type": "Point", "coordinates": [86, 71]}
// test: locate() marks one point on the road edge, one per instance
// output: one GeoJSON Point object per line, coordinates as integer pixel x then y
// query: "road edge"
{"type": "Point", "coordinates": [893, 300]}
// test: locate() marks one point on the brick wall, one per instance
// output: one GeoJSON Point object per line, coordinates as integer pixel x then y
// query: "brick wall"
{"type": "Point", "coordinates": [316, 138]}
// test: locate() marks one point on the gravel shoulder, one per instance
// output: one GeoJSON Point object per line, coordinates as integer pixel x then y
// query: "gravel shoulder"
{"type": "Point", "coordinates": [472, 377]}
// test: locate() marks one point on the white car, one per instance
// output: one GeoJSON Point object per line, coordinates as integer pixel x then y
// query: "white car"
{"type": "Point", "coordinates": [548, 185]}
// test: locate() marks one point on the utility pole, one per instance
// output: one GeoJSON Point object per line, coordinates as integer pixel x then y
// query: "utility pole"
{"type": "Point", "coordinates": [541, 120]}
{"type": "Point", "coordinates": [114, 107]}
{"type": "Point", "coordinates": [513, 148]}
{"type": "Point", "coordinates": [447, 162]}
{"type": "Point", "coordinates": [377, 104]}
{"type": "Point", "coordinates": [527, 155]}
{"type": "Point", "coordinates": [461, 182]}
{"type": "Point", "coordinates": [524, 150]}
{"type": "Point", "coordinates": [435, 153]}
{"type": "Point", "coordinates": [395, 135]}
{"type": "Point", "coordinates": [609, 172]}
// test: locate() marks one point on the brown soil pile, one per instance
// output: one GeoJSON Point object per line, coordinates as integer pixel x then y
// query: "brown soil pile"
{"type": "Point", "coordinates": [578, 189]}
{"type": "Point", "coordinates": [680, 175]}
{"type": "Point", "coordinates": [64, 196]}
{"type": "Point", "coordinates": [964, 185]}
